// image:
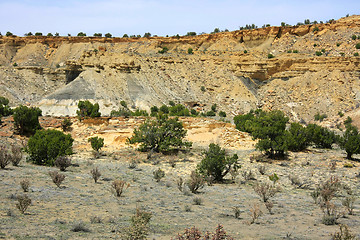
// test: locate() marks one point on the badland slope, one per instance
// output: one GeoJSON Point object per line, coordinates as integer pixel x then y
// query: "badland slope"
{"type": "Point", "coordinates": [231, 69]}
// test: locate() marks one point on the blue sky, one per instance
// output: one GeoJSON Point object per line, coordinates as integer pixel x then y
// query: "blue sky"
{"type": "Point", "coordinates": [161, 17]}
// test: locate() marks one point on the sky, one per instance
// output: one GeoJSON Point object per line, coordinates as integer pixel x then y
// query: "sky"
{"type": "Point", "coordinates": [160, 17]}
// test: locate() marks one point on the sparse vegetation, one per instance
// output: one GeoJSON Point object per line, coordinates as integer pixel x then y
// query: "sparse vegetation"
{"type": "Point", "coordinates": [62, 162]}
{"type": "Point", "coordinates": [96, 174]}
{"type": "Point", "coordinates": [25, 185]}
{"type": "Point", "coordinates": [119, 187]}
{"type": "Point", "coordinates": [57, 177]}
{"type": "Point", "coordinates": [158, 174]}
{"type": "Point", "coordinates": [23, 203]}
{"type": "Point", "coordinates": [139, 228]}
{"type": "Point", "coordinates": [195, 182]}
{"type": "Point", "coordinates": [4, 156]}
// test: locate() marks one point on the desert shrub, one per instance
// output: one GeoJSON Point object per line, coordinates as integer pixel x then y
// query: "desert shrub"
{"type": "Point", "coordinates": [57, 177]}
{"type": "Point", "coordinates": [348, 202]}
{"type": "Point", "coordinates": [108, 35]}
{"type": "Point", "coordinates": [318, 53]}
{"type": "Point", "coordinates": [190, 51]}
{"type": "Point", "coordinates": [26, 120]}
{"type": "Point", "coordinates": [270, 56]}
{"type": "Point", "coordinates": [122, 112]}
{"type": "Point", "coordinates": [87, 109]}
{"type": "Point", "coordinates": [348, 120]}
{"type": "Point", "coordinates": [274, 178]}
{"type": "Point", "coordinates": [139, 228]}
{"type": "Point", "coordinates": [357, 46]}
{"type": "Point", "coordinates": [66, 125]}
{"type": "Point", "coordinates": [5, 156]}
{"type": "Point", "coordinates": [353, 37]}
{"type": "Point", "coordinates": [160, 135]}
{"type": "Point", "coordinates": [327, 191]}
{"type": "Point", "coordinates": [254, 213]}
{"type": "Point", "coordinates": [95, 219]}
{"type": "Point", "coordinates": [96, 143]}
{"type": "Point", "coordinates": [9, 34]}
{"type": "Point", "coordinates": [97, 35]}
{"type": "Point", "coordinates": [356, 54]}
{"type": "Point", "coordinates": [46, 145]}
{"type": "Point", "coordinates": [195, 182]}
{"type": "Point", "coordinates": [62, 162]}
{"type": "Point", "coordinates": [297, 138]}
{"type": "Point", "coordinates": [5, 109]}
{"type": "Point", "coordinates": [158, 174]}
{"type": "Point", "coordinates": [222, 114]}
{"type": "Point", "coordinates": [350, 141]}
{"type": "Point", "coordinates": [202, 88]}
{"type": "Point", "coordinates": [295, 180]}
{"type": "Point", "coordinates": [16, 155]}
{"type": "Point", "coordinates": [237, 212]}
{"type": "Point", "coordinates": [139, 112]}
{"type": "Point", "coordinates": [210, 114]}
{"type": "Point", "coordinates": [321, 137]}
{"type": "Point", "coordinates": [80, 227]}
{"type": "Point", "coordinates": [197, 201]}
{"type": "Point", "coordinates": [216, 163]}
{"type": "Point", "coordinates": [195, 234]}
{"type": "Point", "coordinates": [163, 50]}
{"type": "Point", "coordinates": [25, 184]}
{"type": "Point", "coordinates": [247, 175]}
{"type": "Point", "coordinates": [213, 107]}
{"type": "Point", "coordinates": [119, 187]}
{"type": "Point", "coordinates": [262, 169]}
{"type": "Point", "coordinates": [341, 114]}
{"type": "Point", "coordinates": [265, 191]}
{"type": "Point", "coordinates": [243, 122]}
{"type": "Point", "coordinates": [95, 173]}
{"type": "Point", "coordinates": [320, 117]}
{"type": "Point", "coordinates": [23, 203]}
{"type": "Point", "coordinates": [343, 234]}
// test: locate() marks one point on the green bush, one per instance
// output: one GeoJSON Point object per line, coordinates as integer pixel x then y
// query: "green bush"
{"type": "Point", "coordinates": [353, 37]}
{"type": "Point", "coordinates": [139, 112]}
{"type": "Point", "coordinates": [243, 122]}
{"type": "Point", "coordinates": [320, 136]}
{"type": "Point", "coordinates": [356, 54]}
{"type": "Point", "coordinates": [190, 51]}
{"type": "Point", "coordinates": [5, 110]}
{"type": "Point", "coordinates": [97, 35]}
{"type": "Point", "coordinates": [298, 138]}
{"type": "Point", "coordinates": [317, 53]}
{"type": "Point", "coordinates": [179, 110]}
{"type": "Point", "coordinates": [96, 143]}
{"type": "Point", "coordinates": [38, 34]}
{"type": "Point", "coordinates": [163, 50]}
{"type": "Point", "coordinates": [108, 35]}
{"type": "Point", "coordinates": [87, 109]}
{"type": "Point", "coordinates": [222, 114]}
{"type": "Point", "coordinates": [66, 125]}
{"type": "Point", "coordinates": [348, 120]}
{"type": "Point", "coordinates": [213, 107]}
{"type": "Point", "coordinates": [319, 117]}
{"type": "Point", "coordinates": [81, 34]}
{"type": "Point", "coordinates": [164, 109]}
{"type": "Point", "coordinates": [160, 135]}
{"type": "Point", "coordinates": [210, 114]}
{"type": "Point", "coordinates": [26, 120]}
{"type": "Point", "coordinates": [47, 145]}
{"type": "Point", "coordinates": [202, 89]}
{"type": "Point", "coordinates": [350, 141]}
{"type": "Point", "coordinates": [270, 56]}
{"type": "Point", "coordinates": [154, 110]}
{"type": "Point", "coordinates": [357, 46]}
{"type": "Point", "coordinates": [216, 163]}
{"type": "Point", "coordinates": [269, 128]}
{"type": "Point", "coordinates": [194, 113]}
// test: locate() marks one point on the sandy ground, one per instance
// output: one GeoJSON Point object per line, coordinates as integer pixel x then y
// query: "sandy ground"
{"type": "Point", "coordinates": [54, 211]}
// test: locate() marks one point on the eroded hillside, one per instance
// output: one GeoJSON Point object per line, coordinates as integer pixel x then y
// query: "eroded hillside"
{"type": "Point", "coordinates": [55, 72]}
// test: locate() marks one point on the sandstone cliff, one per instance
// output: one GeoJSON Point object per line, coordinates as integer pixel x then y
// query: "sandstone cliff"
{"type": "Point", "coordinates": [55, 72]}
